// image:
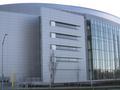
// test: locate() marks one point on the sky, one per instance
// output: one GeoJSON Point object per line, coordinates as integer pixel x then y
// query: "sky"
{"type": "Point", "coordinates": [109, 6]}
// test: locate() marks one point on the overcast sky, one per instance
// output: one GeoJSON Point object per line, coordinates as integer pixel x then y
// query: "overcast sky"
{"type": "Point", "coordinates": [109, 6]}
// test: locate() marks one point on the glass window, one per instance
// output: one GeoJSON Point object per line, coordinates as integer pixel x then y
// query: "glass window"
{"type": "Point", "coordinates": [65, 36]}
{"type": "Point", "coordinates": [53, 47]}
{"type": "Point", "coordinates": [64, 25]}
{"type": "Point", "coordinates": [52, 35]}
{"type": "Point", "coordinates": [105, 41]}
{"type": "Point", "coordinates": [52, 23]}
{"type": "Point", "coordinates": [66, 59]}
{"type": "Point", "coordinates": [68, 48]}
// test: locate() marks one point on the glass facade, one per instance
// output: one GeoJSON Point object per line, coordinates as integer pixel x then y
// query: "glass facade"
{"type": "Point", "coordinates": [103, 49]}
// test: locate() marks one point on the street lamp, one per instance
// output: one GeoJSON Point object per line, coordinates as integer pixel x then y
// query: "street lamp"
{"type": "Point", "coordinates": [2, 60]}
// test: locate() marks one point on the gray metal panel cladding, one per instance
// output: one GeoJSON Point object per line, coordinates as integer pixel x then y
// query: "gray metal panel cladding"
{"type": "Point", "coordinates": [48, 15]}
{"type": "Point", "coordinates": [34, 8]}
{"type": "Point", "coordinates": [21, 48]}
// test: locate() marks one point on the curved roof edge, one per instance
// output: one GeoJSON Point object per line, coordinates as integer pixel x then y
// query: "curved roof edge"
{"type": "Point", "coordinates": [34, 8]}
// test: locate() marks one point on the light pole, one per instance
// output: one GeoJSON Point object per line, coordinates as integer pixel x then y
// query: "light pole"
{"type": "Point", "coordinates": [2, 60]}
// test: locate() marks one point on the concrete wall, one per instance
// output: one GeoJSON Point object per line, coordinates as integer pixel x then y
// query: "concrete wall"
{"type": "Point", "coordinates": [21, 47]}
{"type": "Point", "coordinates": [65, 71]}
{"type": "Point", "coordinates": [29, 37]}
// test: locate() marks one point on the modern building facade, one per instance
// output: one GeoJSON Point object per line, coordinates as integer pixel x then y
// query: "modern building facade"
{"type": "Point", "coordinates": [58, 43]}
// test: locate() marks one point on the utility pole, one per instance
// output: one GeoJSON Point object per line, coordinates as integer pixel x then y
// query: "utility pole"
{"type": "Point", "coordinates": [2, 60]}
{"type": "Point", "coordinates": [53, 66]}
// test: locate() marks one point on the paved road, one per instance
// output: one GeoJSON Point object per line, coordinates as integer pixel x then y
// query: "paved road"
{"type": "Point", "coordinates": [69, 88]}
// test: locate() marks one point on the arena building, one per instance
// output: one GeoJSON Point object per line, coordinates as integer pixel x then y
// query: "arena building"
{"type": "Point", "coordinates": [58, 43]}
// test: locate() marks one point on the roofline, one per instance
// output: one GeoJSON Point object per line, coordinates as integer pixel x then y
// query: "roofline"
{"type": "Point", "coordinates": [70, 8]}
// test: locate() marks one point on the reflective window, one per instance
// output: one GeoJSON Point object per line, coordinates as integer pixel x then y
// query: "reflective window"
{"type": "Point", "coordinates": [64, 25]}
{"type": "Point", "coordinates": [64, 36]}
{"type": "Point", "coordinates": [67, 48]}
{"type": "Point", "coordinates": [103, 49]}
{"type": "Point", "coordinates": [62, 47]}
